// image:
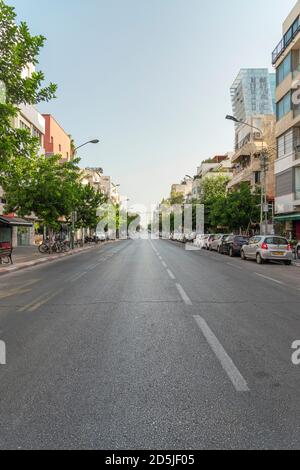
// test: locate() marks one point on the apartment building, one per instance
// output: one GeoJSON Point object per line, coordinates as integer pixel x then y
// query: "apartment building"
{"type": "Point", "coordinates": [95, 177]}
{"type": "Point", "coordinates": [253, 93]}
{"type": "Point", "coordinates": [286, 60]}
{"type": "Point", "coordinates": [57, 141]}
{"type": "Point", "coordinates": [219, 165]}
{"type": "Point", "coordinates": [185, 188]}
{"type": "Point", "coordinates": [30, 119]}
{"type": "Point", "coordinates": [248, 165]}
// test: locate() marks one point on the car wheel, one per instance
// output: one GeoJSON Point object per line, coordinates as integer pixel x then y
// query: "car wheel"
{"type": "Point", "coordinates": [243, 256]}
{"type": "Point", "coordinates": [259, 259]}
{"type": "Point", "coordinates": [288, 263]}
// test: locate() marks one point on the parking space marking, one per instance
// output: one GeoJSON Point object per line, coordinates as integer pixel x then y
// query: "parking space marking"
{"type": "Point", "coordinates": [270, 279]}
{"type": "Point", "coordinates": [164, 264]}
{"type": "Point", "coordinates": [184, 295]}
{"type": "Point", "coordinates": [229, 367]}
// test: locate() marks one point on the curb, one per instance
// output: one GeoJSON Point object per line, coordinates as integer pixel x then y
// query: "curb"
{"type": "Point", "coordinates": [40, 261]}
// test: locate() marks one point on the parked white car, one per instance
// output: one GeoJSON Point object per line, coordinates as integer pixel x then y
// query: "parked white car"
{"type": "Point", "coordinates": [190, 237]}
{"type": "Point", "coordinates": [199, 241]}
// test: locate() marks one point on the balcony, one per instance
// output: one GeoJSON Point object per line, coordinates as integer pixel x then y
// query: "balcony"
{"type": "Point", "coordinates": [285, 41]}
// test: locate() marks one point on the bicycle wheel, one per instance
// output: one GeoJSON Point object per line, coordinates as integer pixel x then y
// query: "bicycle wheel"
{"type": "Point", "coordinates": [67, 247]}
{"type": "Point", "coordinates": [4, 260]}
{"type": "Point", "coordinates": [43, 248]}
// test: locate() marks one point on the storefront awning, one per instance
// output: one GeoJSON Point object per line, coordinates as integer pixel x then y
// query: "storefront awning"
{"type": "Point", "coordinates": [287, 218]}
{"type": "Point", "coordinates": [14, 221]}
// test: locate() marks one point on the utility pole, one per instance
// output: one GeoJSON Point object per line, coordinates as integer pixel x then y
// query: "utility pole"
{"type": "Point", "coordinates": [74, 212]}
{"type": "Point", "coordinates": [264, 198]}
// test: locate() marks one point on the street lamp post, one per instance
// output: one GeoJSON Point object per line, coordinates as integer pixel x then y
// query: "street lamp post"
{"type": "Point", "coordinates": [263, 158]}
{"type": "Point", "coordinates": [74, 213]}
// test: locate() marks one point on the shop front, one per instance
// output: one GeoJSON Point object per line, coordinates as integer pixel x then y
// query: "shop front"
{"type": "Point", "coordinates": [15, 230]}
{"type": "Point", "coordinates": [291, 224]}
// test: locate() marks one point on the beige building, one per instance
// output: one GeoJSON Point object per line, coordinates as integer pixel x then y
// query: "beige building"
{"type": "Point", "coordinates": [248, 165]}
{"type": "Point", "coordinates": [219, 165]}
{"type": "Point", "coordinates": [286, 60]}
{"type": "Point", "coordinates": [95, 177]}
{"type": "Point", "coordinates": [185, 188]}
{"type": "Point", "coordinates": [30, 119]}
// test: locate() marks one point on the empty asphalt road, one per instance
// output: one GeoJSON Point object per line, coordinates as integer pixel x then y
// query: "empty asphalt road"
{"type": "Point", "coordinates": [144, 345]}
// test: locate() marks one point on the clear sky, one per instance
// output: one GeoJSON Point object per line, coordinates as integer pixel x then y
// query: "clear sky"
{"type": "Point", "coordinates": [151, 78]}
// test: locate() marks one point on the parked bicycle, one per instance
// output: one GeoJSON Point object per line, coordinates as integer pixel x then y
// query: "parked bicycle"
{"type": "Point", "coordinates": [57, 246]}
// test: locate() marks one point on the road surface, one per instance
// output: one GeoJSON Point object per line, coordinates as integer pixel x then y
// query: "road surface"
{"type": "Point", "coordinates": [144, 345]}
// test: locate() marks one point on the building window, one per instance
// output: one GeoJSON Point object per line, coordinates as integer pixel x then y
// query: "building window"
{"type": "Point", "coordinates": [284, 69]}
{"type": "Point", "coordinates": [284, 106]}
{"type": "Point", "coordinates": [37, 134]}
{"type": "Point", "coordinates": [24, 126]}
{"type": "Point", "coordinates": [257, 177]}
{"type": "Point", "coordinates": [288, 143]}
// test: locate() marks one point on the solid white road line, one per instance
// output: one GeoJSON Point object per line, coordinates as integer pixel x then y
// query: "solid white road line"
{"type": "Point", "coordinates": [270, 279]}
{"type": "Point", "coordinates": [231, 370]}
{"type": "Point", "coordinates": [170, 274]}
{"type": "Point", "coordinates": [184, 295]}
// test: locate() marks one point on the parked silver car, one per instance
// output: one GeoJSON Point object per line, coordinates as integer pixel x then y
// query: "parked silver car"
{"type": "Point", "coordinates": [268, 248]}
{"type": "Point", "coordinates": [217, 242]}
{"type": "Point", "coordinates": [208, 241]}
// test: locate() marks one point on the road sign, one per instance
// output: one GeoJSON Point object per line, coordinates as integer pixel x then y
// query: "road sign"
{"type": "Point", "coordinates": [266, 208]}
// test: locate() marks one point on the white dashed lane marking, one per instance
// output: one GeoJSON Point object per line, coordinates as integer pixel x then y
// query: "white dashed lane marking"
{"type": "Point", "coordinates": [231, 370]}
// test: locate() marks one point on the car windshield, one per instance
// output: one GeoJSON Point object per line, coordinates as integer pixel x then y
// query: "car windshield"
{"type": "Point", "coordinates": [241, 239]}
{"type": "Point", "coordinates": [276, 241]}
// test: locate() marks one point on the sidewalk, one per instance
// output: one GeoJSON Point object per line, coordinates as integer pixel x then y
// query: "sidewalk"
{"type": "Point", "coordinates": [26, 257]}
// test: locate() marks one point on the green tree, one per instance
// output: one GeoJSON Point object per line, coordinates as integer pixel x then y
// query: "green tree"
{"type": "Point", "coordinates": [213, 190]}
{"type": "Point", "coordinates": [18, 49]}
{"type": "Point", "coordinates": [176, 199]}
{"type": "Point", "coordinates": [237, 210]}
{"type": "Point", "coordinates": [43, 186]}
{"type": "Point", "coordinates": [87, 204]}
{"type": "Point", "coordinates": [243, 208]}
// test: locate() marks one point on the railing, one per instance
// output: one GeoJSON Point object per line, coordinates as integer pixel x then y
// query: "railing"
{"type": "Point", "coordinates": [282, 46]}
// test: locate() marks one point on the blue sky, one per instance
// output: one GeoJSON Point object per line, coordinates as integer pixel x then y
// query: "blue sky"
{"type": "Point", "coordinates": [151, 78]}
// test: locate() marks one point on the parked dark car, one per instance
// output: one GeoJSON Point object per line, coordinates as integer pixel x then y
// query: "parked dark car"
{"type": "Point", "coordinates": [232, 245]}
{"type": "Point", "coordinates": [298, 250]}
